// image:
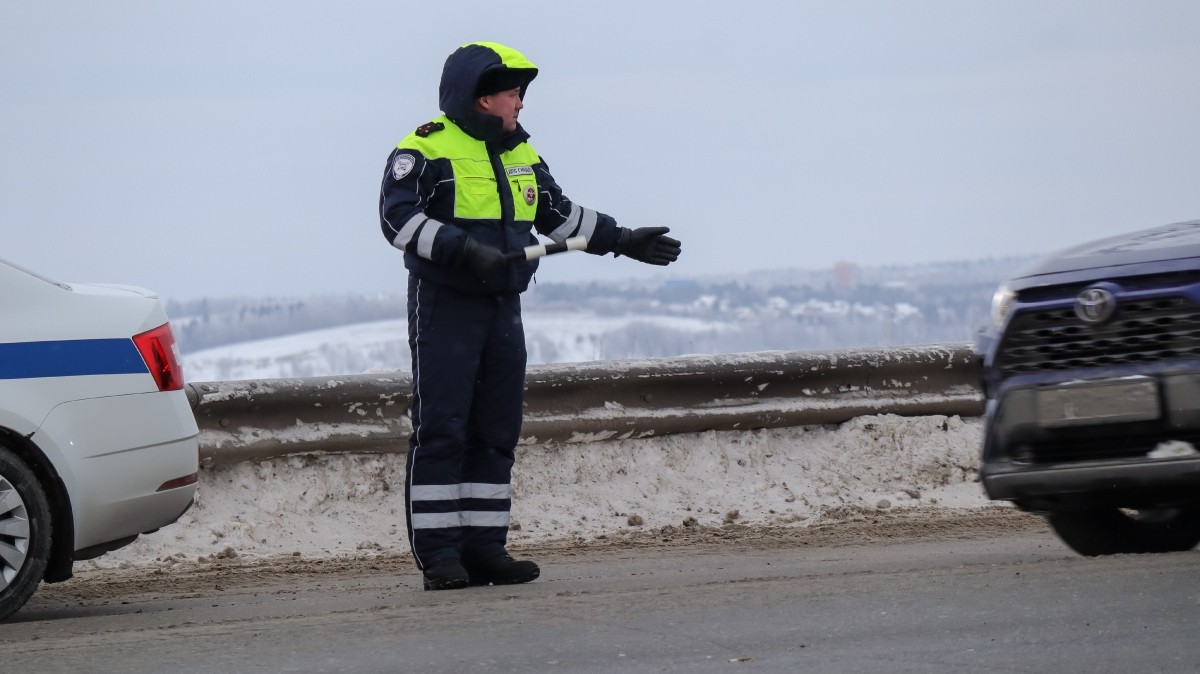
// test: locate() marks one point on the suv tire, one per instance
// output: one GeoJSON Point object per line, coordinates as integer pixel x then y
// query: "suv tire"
{"type": "Point", "coordinates": [24, 532]}
{"type": "Point", "coordinates": [1113, 531]}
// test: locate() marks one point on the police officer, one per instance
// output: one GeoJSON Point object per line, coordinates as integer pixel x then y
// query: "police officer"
{"type": "Point", "coordinates": [458, 193]}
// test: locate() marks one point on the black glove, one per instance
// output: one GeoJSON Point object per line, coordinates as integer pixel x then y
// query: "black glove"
{"type": "Point", "coordinates": [486, 261]}
{"type": "Point", "coordinates": [649, 245]}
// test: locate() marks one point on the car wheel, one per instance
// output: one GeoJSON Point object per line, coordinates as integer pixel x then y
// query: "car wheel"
{"type": "Point", "coordinates": [24, 533]}
{"type": "Point", "coordinates": [1115, 531]}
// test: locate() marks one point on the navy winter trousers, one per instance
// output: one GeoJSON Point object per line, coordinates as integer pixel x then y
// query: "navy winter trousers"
{"type": "Point", "coordinates": [468, 365]}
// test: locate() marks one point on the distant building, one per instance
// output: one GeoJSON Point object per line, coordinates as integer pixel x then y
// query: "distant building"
{"type": "Point", "coordinates": [845, 276]}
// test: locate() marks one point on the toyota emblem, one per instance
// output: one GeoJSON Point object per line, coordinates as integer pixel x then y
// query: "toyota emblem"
{"type": "Point", "coordinates": [1095, 305]}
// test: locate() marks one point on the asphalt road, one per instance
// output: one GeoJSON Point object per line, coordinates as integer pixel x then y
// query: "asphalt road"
{"type": "Point", "coordinates": [1008, 600]}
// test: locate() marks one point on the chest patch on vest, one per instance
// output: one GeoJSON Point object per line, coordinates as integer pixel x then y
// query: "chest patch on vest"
{"type": "Point", "coordinates": [530, 195]}
{"type": "Point", "coordinates": [519, 170]}
{"type": "Point", "coordinates": [402, 165]}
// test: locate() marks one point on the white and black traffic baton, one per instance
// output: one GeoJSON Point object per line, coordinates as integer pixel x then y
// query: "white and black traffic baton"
{"type": "Point", "coordinates": [534, 252]}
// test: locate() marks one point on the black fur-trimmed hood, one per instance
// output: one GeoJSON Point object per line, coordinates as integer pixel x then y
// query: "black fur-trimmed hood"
{"type": "Point", "coordinates": [460, 80]}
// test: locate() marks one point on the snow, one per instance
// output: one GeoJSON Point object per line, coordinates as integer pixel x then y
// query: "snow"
{"type": "Point", "coordinates": [330, 505]}
{"type": "Point", "coordinates": [301, 354]}
{"type": "Point", "coordinates": [552, 338]}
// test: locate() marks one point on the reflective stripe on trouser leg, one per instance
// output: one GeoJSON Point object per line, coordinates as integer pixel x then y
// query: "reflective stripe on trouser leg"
{"type": "Point", "coordinates": [465, 495]}
{"type": "Point", "coordinates": [462, 518]}
{"type": "Point", "coordinates": [451, 489]}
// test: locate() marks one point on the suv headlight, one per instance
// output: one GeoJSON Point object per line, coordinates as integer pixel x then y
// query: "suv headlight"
{"type": "Point", "coordinates": [1002, 303]}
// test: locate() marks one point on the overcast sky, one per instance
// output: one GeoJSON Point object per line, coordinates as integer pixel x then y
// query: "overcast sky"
{"type": "Point", "coordinates": [218, 148]}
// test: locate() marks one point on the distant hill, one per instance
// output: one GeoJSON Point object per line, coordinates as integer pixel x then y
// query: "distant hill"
{"type": "Point", "coordinates": [842, 307]}
{"type": "Point", "coordinates": [383, 345]}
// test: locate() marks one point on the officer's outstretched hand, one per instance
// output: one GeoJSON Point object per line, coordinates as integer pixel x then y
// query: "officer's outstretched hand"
{"type": "Point", "coordinates": [487, 262]}
{"type": "Point", "coordinates": [649, 244]}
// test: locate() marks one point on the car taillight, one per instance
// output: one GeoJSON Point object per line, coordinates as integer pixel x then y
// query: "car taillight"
{"type": "Point", "coordinates": [158, 349]}
{"type": "Point", "coordinates": [180, 482]}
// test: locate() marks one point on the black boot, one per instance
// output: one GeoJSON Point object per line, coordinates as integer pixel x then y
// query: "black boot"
{"type": "Point", "coordinates": [501, 569]}
{"type": "Point", "coordinates": [445, 574]}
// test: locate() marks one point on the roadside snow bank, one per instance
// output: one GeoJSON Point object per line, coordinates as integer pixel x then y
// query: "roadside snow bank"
{"type": "Point", "coordinates": [351, 504]}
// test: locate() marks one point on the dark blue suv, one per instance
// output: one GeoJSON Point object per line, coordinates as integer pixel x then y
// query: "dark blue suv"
{"type": "Point", "coordinates": [1091, 369]}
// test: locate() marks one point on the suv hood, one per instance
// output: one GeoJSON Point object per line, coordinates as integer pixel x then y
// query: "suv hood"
{"type": "Point", "coordinates": [1169, 242]}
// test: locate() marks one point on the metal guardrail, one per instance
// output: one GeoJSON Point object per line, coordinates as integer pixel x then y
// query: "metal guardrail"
{"type": "Point", "coordinates": [582, 402]}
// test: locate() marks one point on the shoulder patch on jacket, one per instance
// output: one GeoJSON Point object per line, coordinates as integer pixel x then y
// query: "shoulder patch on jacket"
{"type": "Point", "coordinates": [402, 165]}
{"type": "Point", "coordinates": [425, 129]}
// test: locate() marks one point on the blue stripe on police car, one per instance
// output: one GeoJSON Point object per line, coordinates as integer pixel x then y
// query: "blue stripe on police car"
{"type": "Point", "coordinates": [69, 358]}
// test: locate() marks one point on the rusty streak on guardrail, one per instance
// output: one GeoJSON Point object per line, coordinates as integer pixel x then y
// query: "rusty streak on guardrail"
{"type": "Point", "coordinates": [582, 402]}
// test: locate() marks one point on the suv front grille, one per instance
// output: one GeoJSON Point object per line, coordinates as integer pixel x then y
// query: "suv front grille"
{"type": "Point", "coordinates": [1141, 331]}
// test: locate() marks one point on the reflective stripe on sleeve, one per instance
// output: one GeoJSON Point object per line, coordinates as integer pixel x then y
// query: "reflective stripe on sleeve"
{"type": "Point", "coordinates": [567, 228]}
{"type": "Point", "coordinates": [407, 231]}
{"type": "Point", "coordinates": [581, 222]}
{"type": "Point", "coordinates": [425, 241]}
{"type": "Point", "coordinates": [588, 226]}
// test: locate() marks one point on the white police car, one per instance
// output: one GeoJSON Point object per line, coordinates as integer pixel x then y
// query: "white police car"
{"type": "Point", "coordinates": [97, 439]}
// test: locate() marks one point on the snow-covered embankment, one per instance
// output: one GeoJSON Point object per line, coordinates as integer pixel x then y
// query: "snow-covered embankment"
{"type": "Point", "coordinates": [354, 504]}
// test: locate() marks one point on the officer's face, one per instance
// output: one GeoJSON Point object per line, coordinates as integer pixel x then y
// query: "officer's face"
{"type": "Point", "coordinates": [506, 105]}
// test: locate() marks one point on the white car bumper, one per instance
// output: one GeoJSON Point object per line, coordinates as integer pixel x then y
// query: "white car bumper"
{"type": "Point", "coordinates": [114, 455]}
